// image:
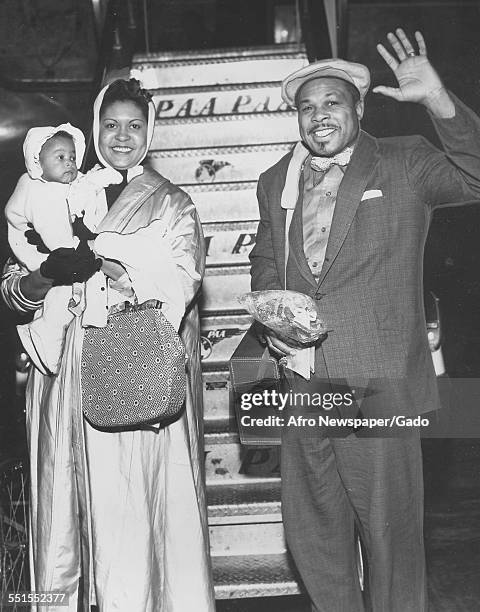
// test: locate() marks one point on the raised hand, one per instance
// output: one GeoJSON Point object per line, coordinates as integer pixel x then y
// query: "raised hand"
{"type": "Point", "coordinates": [417, 80]}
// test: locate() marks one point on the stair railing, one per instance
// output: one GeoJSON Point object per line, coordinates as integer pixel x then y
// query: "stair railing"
{"type": "Point", "coordinates": [118, 43]}
{"type": "Point", "coordinates": [315, 28]}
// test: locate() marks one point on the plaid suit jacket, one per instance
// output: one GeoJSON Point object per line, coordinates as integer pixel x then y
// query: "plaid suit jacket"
{"type": "Point", "coordinates": [370, 288]}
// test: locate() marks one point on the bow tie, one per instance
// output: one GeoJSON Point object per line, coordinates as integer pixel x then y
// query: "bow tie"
{"type": "Point", "coordinates": [323, 164]}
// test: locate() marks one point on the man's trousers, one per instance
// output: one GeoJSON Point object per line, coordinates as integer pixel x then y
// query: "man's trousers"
{"type": "Point", "coordinates": [329, 485]}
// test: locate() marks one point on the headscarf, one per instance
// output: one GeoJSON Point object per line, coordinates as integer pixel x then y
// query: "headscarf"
{"type": "Point", "coordinates": [35, 139]}
{"type": "Point", "coordinates": [96, 132]}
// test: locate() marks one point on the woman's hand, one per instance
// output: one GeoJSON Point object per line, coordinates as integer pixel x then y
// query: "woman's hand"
{"type": "Point", "coordinates": [65, 266]}
{"type": "Point", "coordinates": [34, 286]}
{"type": "Point", "coordinates": [112, 269]}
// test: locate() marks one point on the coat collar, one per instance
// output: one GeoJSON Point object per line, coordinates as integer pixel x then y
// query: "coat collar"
{"type": "Point", "coordinates": [130, 200]}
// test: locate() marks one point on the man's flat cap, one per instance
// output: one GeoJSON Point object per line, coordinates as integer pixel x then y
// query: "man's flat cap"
{"type": "Point", "coordinates": [356, 74]}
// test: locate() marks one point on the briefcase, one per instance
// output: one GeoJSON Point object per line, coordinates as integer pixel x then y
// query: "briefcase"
{"type": "Point", "coordinates": [255, 379]}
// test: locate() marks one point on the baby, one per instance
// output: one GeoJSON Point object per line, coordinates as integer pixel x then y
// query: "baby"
{"type": "Point", "coordinates": [49, 196]}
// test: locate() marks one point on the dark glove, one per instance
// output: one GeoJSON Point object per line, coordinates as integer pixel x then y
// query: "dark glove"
{"type": "Point", "coordinates": [81, 231]}
{"type": "Point", "coordinates": [87, 264]}
{"type": "Point", "coordinates": [60, 266]}
{"type": "Point", "coordinates": [35, 239]}
{"type": "Point", "coordinates": [66, 266]}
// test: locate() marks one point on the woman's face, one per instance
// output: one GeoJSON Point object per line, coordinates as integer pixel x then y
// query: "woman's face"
{"type": "Point", "coordinates": [122, 138]}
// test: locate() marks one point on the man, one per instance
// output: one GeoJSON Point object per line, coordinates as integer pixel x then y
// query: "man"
{"type": "Point", "coordinates": [356, 244]}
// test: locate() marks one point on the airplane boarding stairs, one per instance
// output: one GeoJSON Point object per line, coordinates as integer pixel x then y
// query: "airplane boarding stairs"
{"type": "Point", "coordinates": [220, 123]}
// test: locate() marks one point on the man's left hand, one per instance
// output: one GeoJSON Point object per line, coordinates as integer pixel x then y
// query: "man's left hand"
{"type": "Point", "coordinates": [418, 81]}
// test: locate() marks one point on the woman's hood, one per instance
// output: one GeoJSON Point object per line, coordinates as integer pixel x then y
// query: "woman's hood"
{"type": "Point", "coordinates": [96, 126]}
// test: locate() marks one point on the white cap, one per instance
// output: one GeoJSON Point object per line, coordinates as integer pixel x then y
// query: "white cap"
{"type": "Point", "coordinates": [35, 139]}
{"type": "Point", "coordinates": [356, 74]}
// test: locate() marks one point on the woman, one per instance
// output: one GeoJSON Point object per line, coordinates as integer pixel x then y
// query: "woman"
{"type": "Point", "coordinates": [119, 518]}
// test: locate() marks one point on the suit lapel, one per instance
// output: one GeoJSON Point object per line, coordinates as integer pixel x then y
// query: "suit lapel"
{"type": "Point", "coordinates": [350, 192]}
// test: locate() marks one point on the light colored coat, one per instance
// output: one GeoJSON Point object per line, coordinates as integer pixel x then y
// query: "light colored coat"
{"type": "Point", "coordinates": [125, 511]}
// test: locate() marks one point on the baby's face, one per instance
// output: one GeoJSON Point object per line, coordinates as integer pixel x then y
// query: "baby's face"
{"type": "Point", "coordinates": [57, 159]}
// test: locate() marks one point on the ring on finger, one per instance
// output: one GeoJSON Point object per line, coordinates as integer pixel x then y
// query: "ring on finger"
{"type": "Point", "coordinates": [411, 54]}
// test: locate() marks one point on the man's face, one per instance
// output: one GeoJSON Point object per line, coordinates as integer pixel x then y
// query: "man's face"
{"type": "Point", "coordinates": [328, 116]}
{"type": "Point", "coordinates": [58, 161]}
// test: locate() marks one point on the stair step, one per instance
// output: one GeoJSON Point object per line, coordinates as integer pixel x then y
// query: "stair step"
{"type": "Point", "coordinates": [207, 167]}
{"type": "Point", "coordinates": [162, 70]}
{"type": "Point", "coordinates": [216, 408]}
{"type": "Point", "coordinates": [221, 286]}
{"type": "Point", "coordinates": [228, 462]}
{"type": "Point", "coordinates": [220, 337]}
{"type": "Point", "coordinates": [229, 242]}
{"type": "Point", "coordinates": [254, 576]}
{"type": "Point", "coordinates": [227, 425]}
{"type": "Point", "coordinates": [221, 437]}
{"type": "Point", "coordinates": [218, 100]}
{"type": "Point", "coordinates": [247, 503]}
{"type": "Point", "coordinates": [226, 130]}
{"type": "Point", "coordinates": [294, 49]}
{"type": "Point", "coordinates": [215, 203]}
{"type": "Point", "coordinates": [217, 88]}
{"type": "Point", "coordinates": [247, 539]}
{"type": "Point", "coordinates": [179, 73]}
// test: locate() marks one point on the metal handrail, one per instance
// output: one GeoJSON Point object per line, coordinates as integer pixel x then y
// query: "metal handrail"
{"type": "Point", "coordinates": [19, 85]}
{"type": "Point", "coordinates": [315, 30]}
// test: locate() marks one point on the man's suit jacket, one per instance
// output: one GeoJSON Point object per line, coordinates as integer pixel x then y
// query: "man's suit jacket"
{"type": "Point", "coordinates": [370, 288]}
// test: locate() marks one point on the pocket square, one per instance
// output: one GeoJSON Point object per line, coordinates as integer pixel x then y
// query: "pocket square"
{"type": "Point", "coordinates": [371, 193]}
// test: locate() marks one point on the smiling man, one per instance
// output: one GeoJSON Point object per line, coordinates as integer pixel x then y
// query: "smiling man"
{"type": "Point", "coordinates": [329, 111]}
{"type": "Point", "coordinates": [360, 209]}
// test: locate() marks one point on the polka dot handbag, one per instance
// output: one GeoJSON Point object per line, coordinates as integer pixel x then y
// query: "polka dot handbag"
{"type": "Point", "coordinates": [133, 370]}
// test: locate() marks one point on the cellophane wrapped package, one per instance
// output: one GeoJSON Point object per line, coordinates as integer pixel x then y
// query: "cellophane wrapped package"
{"type": "Point", "coordinates": [289, 313]}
